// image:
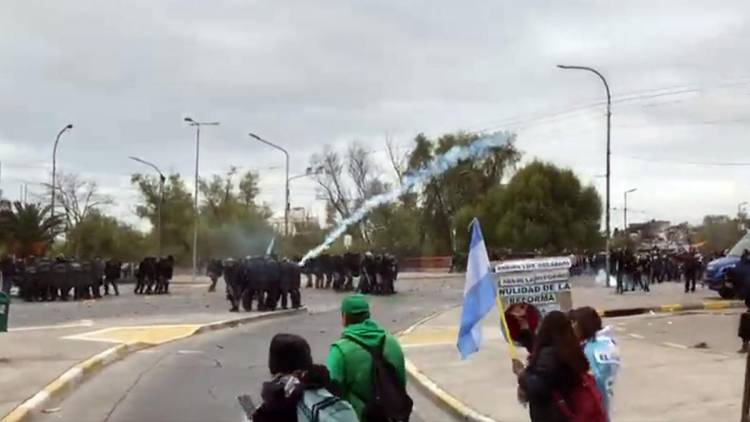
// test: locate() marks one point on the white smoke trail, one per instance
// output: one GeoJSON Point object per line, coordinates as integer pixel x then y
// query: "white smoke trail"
{"type": "Point", "coordinates": [436, 167]}
{"type": "Point", "coordinates": [269, 249]}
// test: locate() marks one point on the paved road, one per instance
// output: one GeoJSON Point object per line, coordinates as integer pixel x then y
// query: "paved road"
{"type": "Point", "coordinates": [198, 379]}
{"type": "Point", "coordinates": [717, 329]}
{"type": "Point", "coordinates": [186, 299]}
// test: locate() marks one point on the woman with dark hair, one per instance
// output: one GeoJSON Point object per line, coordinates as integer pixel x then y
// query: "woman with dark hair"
{"type": "Point", "coordinates": [554, 381]}
{"type": "Point", "coordinates": [300, 391]}
{"type": "Point", "coordinates": [600, 349]}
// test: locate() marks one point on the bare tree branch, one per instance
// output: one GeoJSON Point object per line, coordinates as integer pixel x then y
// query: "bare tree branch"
{"type": "Point", "coordinates": [398, 162]}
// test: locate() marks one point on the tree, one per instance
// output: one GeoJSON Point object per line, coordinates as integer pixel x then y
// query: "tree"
{"type": "Point", "coordinates": [543, 208]}
{"type": "Point", "coordinates": [104, 236]}
{"type": "Point", "coordinates": [177, 214]}
{"type": "Point", "coordinates": [78, 197]}
{"type": "Point", "coordinates": [466, 183]}
{"type": "Point", "coordinates": [331, 182]}
{"type": "Point", "coordinates": [249, 188]}
{"type": "Point", "coordinates": [719, 232]}
{"type": "Point", "coordinates": [29, 229]}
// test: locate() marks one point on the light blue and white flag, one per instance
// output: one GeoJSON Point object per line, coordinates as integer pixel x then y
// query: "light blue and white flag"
{"type": "Point", "coordinates": [479, 294]}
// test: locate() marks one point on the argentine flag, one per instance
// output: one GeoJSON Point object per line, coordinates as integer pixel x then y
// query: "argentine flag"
{"type": "Point", "coordinates": [479, 294]}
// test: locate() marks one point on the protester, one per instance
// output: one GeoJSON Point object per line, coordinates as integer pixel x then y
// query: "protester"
{"type": "Point", "coordinates": [556, 382]}
{"type": "Point", "coordinates": [365, 358]}
{"type": "Point", "coordinates": [600, 349]}
{"type": "Point", "coordinates": [299, 388]}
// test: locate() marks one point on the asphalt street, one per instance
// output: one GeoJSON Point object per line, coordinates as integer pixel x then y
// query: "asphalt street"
{"type": "Point", "coordinates": [199, 378]}
{"type": "Point", "coordinates": [714, 331]}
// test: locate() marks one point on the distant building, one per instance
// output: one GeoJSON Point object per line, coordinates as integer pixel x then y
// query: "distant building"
{"type": "Point", "coordinates": [298, 217]}
{"type": "Point", "coordinates": [660, 234]}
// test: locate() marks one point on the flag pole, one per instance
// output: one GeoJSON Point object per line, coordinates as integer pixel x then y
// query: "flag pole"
{"type": "Point", "coordinates": [512, 350]}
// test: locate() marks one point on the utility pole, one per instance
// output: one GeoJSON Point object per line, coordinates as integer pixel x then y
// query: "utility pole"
{"type": "Point", "coordinates": [609, 125]}
{"type": "Point", "coordinates": [195, 192]}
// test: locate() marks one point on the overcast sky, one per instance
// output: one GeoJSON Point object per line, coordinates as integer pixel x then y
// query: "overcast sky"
{"type": "Point", "coordinates": [305, 74]}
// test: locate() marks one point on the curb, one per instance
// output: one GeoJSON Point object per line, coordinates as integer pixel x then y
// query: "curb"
{"type": "Point", "coordinates": [704, 306]}
{"type": "Point", "coordinates": [70, 379]}
{"type": "Point", "coordinates": [436, 394]}
{"type": "Point", "coordinates": [442, 398]}
{"type": "Point", "coordinates": [446, 401]}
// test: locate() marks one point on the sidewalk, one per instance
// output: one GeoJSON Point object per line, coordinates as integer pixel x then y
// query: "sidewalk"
{"type": "Point", "coordinates": [654, 384]}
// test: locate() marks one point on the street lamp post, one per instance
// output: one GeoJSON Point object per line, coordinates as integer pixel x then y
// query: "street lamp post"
{"type": "Point", "coordinates": [609, 126]}
{"type": "Point", "coordinates": [197, 125]}
{"type": "Point", "coordinates": [54, 164]}
{"type": "Point", "coordinates": [625, 210]}
{"type": "Point", "coordinates": [162, 179]}
{"type": "Point", "coordinates": [286, 193]}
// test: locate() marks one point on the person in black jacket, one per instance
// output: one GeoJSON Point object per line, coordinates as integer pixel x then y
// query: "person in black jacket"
{"type": "Point", "coordinates": [291, 364]}
{"type": "Point", "coordinates": [554, 370]}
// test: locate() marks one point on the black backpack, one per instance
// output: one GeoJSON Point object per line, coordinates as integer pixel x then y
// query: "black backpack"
{"type": "Point", "coordinates": [389, 401]}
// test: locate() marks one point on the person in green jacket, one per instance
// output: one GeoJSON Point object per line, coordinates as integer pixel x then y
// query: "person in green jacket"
{"type": "Point", "coordinates": [349, 365]}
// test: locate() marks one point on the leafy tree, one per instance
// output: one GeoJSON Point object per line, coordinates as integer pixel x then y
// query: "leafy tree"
{"type": "Point", "coordinates": [249, 188]}
{"type": "Point", "coordinates": [466, 183]}
{"type": "Point", "coordinates": [543, 208]}
{"type": "Point", "coordinates": [104, 236]}
{"type": "Point", "coordinates": [177, 214]}
{"type": "Point", "coordinates": [29, 229]}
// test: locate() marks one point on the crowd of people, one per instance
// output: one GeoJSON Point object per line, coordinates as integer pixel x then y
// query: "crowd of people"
{"type": "Point", "coordinates": [569, 374]}
{"type": "Point", "coordinates": [642, 269]}
{"type": "Point", "coordinates": [363, 379]}
{"type": "Point", "coordinates": [376, 273]}
{"type": "Point", "coordinates": [571, 369]}
{"type": "Point", "coordinates": [262, 280]}
{"type": "Point", "coordinates": [41, 279]}
{"type": "Point", "coordinates": [153, 275]}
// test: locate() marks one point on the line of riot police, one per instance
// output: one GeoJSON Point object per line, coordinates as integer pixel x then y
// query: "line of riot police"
{"type": "Point", "coordinates": [264, 281]}
{"type": "Point", "coordinates": [153, 275]}
{"type": "Point", "coordinates": [376, 274]}
{"type": "Point", "coordinates": [45, 279]}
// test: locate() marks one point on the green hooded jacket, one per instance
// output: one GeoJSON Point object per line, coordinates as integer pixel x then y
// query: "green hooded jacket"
{"type": "Point", "coordinates": [350, 366]}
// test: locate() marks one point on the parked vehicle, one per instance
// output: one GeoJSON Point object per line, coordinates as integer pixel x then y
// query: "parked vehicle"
{"type": "Point", "coordinates": [715, 276]}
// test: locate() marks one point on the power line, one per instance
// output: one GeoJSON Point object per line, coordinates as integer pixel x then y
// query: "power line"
{"type": "Point", "coordinates": [685, 162]}
{"type": "Point", "coordinates": [617, 99]}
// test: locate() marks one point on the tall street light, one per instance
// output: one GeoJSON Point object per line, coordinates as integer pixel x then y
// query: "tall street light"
{"type": "Point", "coordinates": [195, 192]}
{"type": "Point", "coordinates": [286, 194]}
{"type": "Point", "coordinates": [162, 179]}
{"type": "Point", "coordinates": [54, 164]}
{"type": "Point", "coordinates": [625, 211]}
{"type": "Point", "coordinates": [609, 126]}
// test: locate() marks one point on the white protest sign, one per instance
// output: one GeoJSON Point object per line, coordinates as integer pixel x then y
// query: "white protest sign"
{"type": "Point", "coordinates": [541, 282]}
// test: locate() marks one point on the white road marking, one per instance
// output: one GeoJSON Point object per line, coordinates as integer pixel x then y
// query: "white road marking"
{"type": "Point", "coordinates": [674, 345]}
{"type": "Point", "coordinates": [638, 336]}
{"type": "Point", "coordinates": [82, 323]}
{"type": "Point", "coordinates": [190, 352]}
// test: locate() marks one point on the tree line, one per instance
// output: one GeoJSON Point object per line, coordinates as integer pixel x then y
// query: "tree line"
{"type": "Point", "coordinates": [534, 207]}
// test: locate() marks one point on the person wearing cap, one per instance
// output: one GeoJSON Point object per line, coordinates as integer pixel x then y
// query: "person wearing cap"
{"type": "Point", "coordinates": [350, 365]}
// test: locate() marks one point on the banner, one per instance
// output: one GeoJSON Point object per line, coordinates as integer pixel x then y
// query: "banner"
{"type": "Point", "coordinates": [531, 288]}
